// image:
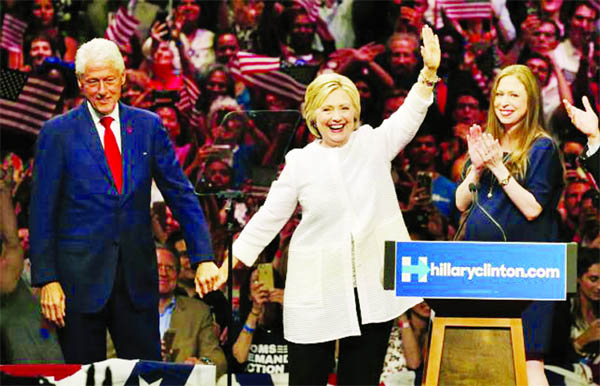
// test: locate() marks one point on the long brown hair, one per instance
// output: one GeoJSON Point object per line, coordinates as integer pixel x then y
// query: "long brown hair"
{"type": "Point", "coordinates": [532, 126]}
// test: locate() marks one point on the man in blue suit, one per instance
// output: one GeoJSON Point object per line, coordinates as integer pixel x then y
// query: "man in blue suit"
{"type": "Point", "coordinates": [92, 249]}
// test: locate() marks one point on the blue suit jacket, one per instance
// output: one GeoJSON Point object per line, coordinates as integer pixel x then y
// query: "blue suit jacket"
{"type": "Point", "coordinates": [79, 222]}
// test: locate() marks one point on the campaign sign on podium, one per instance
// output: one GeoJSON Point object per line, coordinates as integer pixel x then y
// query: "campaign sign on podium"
{"type": "Point", "coordinates": [481, 270]}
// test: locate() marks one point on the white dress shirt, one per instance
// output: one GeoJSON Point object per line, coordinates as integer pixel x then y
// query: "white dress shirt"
{"type": "Point", "coordinates": [550, 98]}
{"type": "Point", "coordinates": [115, 125]}
{"type": "Point", "coordinates": [349, 208]}
{"type": "Point", "coordinates": [567, 58]}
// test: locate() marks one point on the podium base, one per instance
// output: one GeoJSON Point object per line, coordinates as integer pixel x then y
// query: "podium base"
{"type": "Point", "coordinates": [476, 351]}
{"type": "Point", "coordinates": [478, 308]}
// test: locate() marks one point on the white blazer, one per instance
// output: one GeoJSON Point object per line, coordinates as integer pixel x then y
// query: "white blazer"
{"type": "Point", "coordinates": [349, 208]}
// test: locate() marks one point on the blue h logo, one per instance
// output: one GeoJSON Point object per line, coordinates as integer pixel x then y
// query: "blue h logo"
{"type": "Point", "coordinates": [420, 269]}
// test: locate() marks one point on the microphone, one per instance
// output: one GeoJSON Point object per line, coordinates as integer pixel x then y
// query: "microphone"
{"type": "Point", "coordinates": [473, 188]}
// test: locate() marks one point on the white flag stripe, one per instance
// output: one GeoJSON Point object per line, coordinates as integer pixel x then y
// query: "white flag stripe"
{"type": "Point", "coordinates": [29, 113]}
{"type": "Point", "coordinates": [124, 30]}
{"type": "Point", "coordinates": [246, 57]}
{"type": "Point", "coordinates": [289, 81]}
{"type": "Point", "coordinates": [270, 83]}
{"type": "Point", "coordinates": [37, 101]}
{"type": "Point", "coordinates": [256, 68]}
{"type": "Point", "coordinates": [310, 6]}
{"type": "Point", "coordinates": [122, 27]}
{"type": "Point", "coordinates": [15, 22]}
{"type": "Point", "coordinates": [16, 110]}
{"type": "Point", "coordinates": [35, 104]}
{"type": "Point", "coordinates": [463, 9]}
{"type": "Point", "coordinates": [44, 88]}
{"type": "Point", "coordinates": [128, 21]}
{"type": "Point", "coordinates": [249, 62]}
{"type": "Point", "coordinates": [262, 71]}
{"type": "Point", "coordinates": [188, 95]}
{"type": "Point", "coordinates": [12, 33]}
{"type": "Point", "coordinates": [16, 125]}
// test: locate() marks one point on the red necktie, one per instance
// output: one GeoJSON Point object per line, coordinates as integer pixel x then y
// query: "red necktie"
{"type": "Point", "coordinates": [113, 155]}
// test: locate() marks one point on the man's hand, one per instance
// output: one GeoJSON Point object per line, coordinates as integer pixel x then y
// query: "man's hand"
{"type": "Point", "coordinates": [418, 198]}
{"type": "Point", "coordinates": [52, 299]}
{"type": "Point", "coordinates": [585, 121]}
{"type": "Point", "coordinates": [207, 275]}
{"type": "Point", "coordinates": [411, 17]}
{"type": "Point", "coordinates": [159, 31]}
{"type": "Point", "coordinates": [224, 272]}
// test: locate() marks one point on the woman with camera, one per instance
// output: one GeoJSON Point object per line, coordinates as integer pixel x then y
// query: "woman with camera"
{"type": "Point", "coordinates": [343, 183]}
{"type": "Point", "coordinates": [512, 184]}
{"type": "Point", "coordinates": [260, 347]}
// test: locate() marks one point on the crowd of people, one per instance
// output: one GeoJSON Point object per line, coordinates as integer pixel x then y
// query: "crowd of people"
{"type": "Point", "coordinates": [532, 66]}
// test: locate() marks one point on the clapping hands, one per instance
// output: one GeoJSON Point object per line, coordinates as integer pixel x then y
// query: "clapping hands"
{"type": "Point", "coordinates": [484, 149]}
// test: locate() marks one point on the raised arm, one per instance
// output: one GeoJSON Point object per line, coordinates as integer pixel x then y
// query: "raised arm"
{"type": "Point", "coordinates": [399, 129]}
{"type": "Point", "coordinates": [430, 51]}
{"type": "Point", "coordinates": [586, 121]}
{"type": "Point", "coordinates": [259, 297]}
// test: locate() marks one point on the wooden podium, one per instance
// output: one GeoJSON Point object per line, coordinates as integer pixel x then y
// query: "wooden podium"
{"type": "Point", "coordinates": [477, 334]}
{"type": "Point", "coordinates": [499, 347]}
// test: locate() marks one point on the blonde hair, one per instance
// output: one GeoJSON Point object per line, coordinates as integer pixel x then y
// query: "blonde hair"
{"type": "Point", "coordinates": [532, 125]}
{"type": "Point", "coordinates": [319, 89]}
{"type": "Point", "coordinates": [98, 50]}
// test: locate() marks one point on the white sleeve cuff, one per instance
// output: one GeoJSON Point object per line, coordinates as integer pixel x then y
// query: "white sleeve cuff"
{"type": "Point", "coordinates": [591, 150]}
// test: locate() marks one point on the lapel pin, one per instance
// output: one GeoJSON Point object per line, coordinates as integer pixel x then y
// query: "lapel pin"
{"type": "Point", "coordinates": [129, 129]}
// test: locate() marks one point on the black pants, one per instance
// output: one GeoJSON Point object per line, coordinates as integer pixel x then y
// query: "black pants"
{"type": "Point", "coordinates": [360, 358]}
{"type": "Point", "coordinates": [135, 333]}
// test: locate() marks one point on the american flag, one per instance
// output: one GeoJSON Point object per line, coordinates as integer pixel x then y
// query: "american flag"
{"type": "Point", "coordinates": [12, 33]}
{"type": "Point", "coordinates": [269, 78]}
{"type": "Point", "coordinates": [119, 372]}
{"type": "Point", "coordinates": [466, 9]}
{"type": "Point", "coordinates": [188, 95]}
{"type": "Point", "coordinates": [122, 27]}
{"type": "Point", "coordinates": [26, 101]}
{"type": "Point", "coordinates": [250, 63]}
{"type": "Point", "coordinates": [311, 7]}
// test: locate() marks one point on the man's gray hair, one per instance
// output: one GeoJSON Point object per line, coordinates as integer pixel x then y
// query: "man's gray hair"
{"type": "Point", "coordinates": [98, 50]}
{"type": "Point", "coordinates": [408, 36]}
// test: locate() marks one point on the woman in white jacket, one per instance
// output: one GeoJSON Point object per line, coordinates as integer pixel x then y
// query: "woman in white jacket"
{"type": "Point", "coordinates": [343, 183]}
